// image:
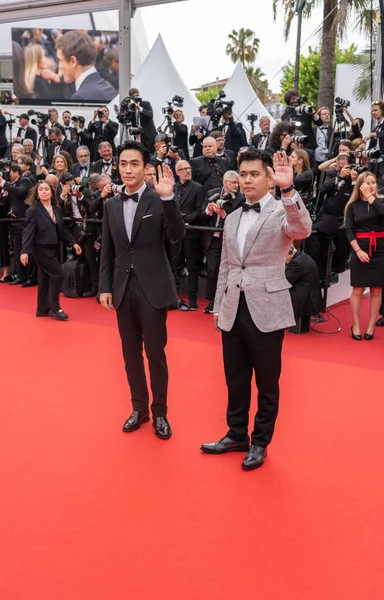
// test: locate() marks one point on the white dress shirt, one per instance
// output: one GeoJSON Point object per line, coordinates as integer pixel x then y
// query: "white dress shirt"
{"type": "Point", "coordinates": [263, 141]}
{"type": "Point", "coordinates": [23, 133]}
{"type": "Point", "coordinates": [129, 210]}
{"type": "Point", "coordinates": [247, 219]}
{"type": "Point", "coordinates": [83, 76]}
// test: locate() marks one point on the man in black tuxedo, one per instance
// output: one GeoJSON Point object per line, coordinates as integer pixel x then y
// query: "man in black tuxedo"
{"type": "Point", "coordinates": [323, 136]}
{"type": "Point", "coordinates": [213, 216]}
{"type": "Point", "coordinates": [165, 155]}
{"type": "Point", "coordinates": [82, 169]}
{"type": "Point", "coordinates": [54, 120]}
{"type": "Point", "coordinates": [228, 156]}
{"type": "Point", "coordinates": [102, 129]}
{"type": "Point", "coordinates": [190, 196]}
{"type": "Point", "coordinates": [198, 134]}
{"type": "Point", "coordinates": [77, 53]}
{"type": "Point", "coordinates": [3, 136]}
{"type": "Point", "coordinates": [234, 134]}
{"type": "Point", "coordinates": [70, 132]}
{"type": "Point", "coordinates": [25, 131]}
{"type": "Point", "coordinates": [57, 143]}
{"type": "Point", "coordinates": [108, 164]}
{"type": "Point", "coordinates": [136, 278]}
{"type": "Point", "coordinates": [18, 187]}
{"type": "Point", "coordinates": [208, 170]}
{"type": "Point", "coordinates": [303, 121]}
{"type": "Point", "coordinates": [145, 114]}
{"type": "Point", "coordinates": [376, 141]}
{"type": "Point", "coordinates": [260, 140]}
{"type": "Point", "coordinates": [181, 132]}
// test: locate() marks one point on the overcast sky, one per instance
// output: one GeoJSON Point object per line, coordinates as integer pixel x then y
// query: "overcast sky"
{"type": "Point", "coordinates": [195, 34]}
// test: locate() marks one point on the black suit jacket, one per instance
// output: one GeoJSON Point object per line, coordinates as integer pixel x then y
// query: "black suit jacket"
{"type": "Point", "coordinates": [98, 135]}
{"type": "Point", "coordinates": [73, 134]}
{"type": "Point", "coordinates": [337, 193]}
{"type": "Point", "coordinates": [256, 139]}
{"type": "Point", "coordinates": [211, 221]}
{"type": "Point", "coordinates": [230, 158]}
{"type": "Point", "coordinates": [379, 129]}
{"type": "Point", "coordinates": [235, 137]}
{"type": "Point", "coordinates": [40, 230]}
{"type": "Point", "coordinates": [18, 193]}
{"type": "Point", "coordinates": [303, 275]}
{"type": "Point", "coordinates": [305, 124]}
{"type": "Point", "coordinates": [98, 168]}
{"type": "Point", "coordinates": [145, 251]}
{"type": "Point", "coordinates": [30, 134]}
{"type": "Point", "coordinates": [67, 146]}
{"type": "Point", "coordinates": [190, 205]}
{"type": "Point", "coordinates": [209, 175]}
{"type": "Point", "coordinates": [181, 138]}
{"type": "Point", "coordinates": [148, 127]}
{"type": "Point", "coordinates": [95, 89]}
{"type": "Point", "coordinates": [75, 170]}
{"type": "Point", "coordinates": [3, 129]}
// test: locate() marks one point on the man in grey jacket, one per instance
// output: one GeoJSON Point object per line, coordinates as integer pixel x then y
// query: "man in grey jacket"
{"type": "Point", "coordinates": [252, 304]}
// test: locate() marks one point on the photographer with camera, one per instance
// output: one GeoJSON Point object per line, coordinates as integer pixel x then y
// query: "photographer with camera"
{"type": "Point", "coordinates": [208, 170]}
{"type": "Point", "coordinates": [76, 203]}
{"type": "Point", "coordinates": [180, 137]}
{"type": "Point", "coordinates": [356, 125]}
{"type": "Point", "coordinates": [234, 134]}
{"type": "Point", "coordinates": [281, 138]}
{"type": "Point", "coordinates": [197, 134]}
{"type": "Point", "coordinates": [302, 174]}
{"type": "Point", "coordinates": [260, 140]}
{"type": "Point", "coordinates": [3, 135]}
{"type": "Point", "coordinates": [227, 155]}
{"type": "Point", "coordinates": [18, 187]}
{"type": "Point", "coordinates": [323, 136]}
{"type": "Point", "coordinates": [302, 115]}
{"type": "Point", "coordinates": [167, 154]}
{"type": "Point", "coordinates": [58, 143]}
{"type": "Point", "coordinates": [218, 203]}
{"type": "Point", "coordinates": [145, 114]}
{"type": "Point", "coordinates": [190, 196]}
{"type": "Point", "coordinates": [337, 189]}
{"type": "Point", "coordinates": [25, 131]}
{"type": "Point", "coordinates": [375, 141]}
{"type": "Point", "coordinates": [102, 129]}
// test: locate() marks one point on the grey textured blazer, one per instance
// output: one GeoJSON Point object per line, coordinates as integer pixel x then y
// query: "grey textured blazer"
{"type": "Point", "coordinates": [260, 272]}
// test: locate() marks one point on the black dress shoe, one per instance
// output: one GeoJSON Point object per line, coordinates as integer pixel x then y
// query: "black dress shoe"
{"type": "Point", "coordinates": [16, 281]}
{"type": "Point", "coordinates": [135, 421]}
{"type": "Point", "coordinates": [226, 444]}
{"type": "Point", "coordinates": [29, 283]}
{"type": "Point", "coordinates": [193, 305]}
{"type": "Point", "coordinates": [209, 309]}
{"type": "Point", "coordinates": [368, 336]}
{"type": "Point", "coordinates": [60, 315]}
{"type": "Point", "coordinates": [380, 322]}
{"type": "Point", "coordinates": [91, 293]}
{"type": "Point", "coordinates": [162, 428]}
{"type": "Point", "coordinates": [356, 336]}
{"type": "Point", "coordinates": [39, 313]}
{"type": "Point", "coordinates": [254, 458]}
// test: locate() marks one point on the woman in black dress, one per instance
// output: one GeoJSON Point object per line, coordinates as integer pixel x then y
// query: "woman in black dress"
{"type": "Point", "coordinates": [302, 174]}
{"type": "Point", "coordinates": [364, 225]}
{"type": "Point", "coordinates": [43, 232]}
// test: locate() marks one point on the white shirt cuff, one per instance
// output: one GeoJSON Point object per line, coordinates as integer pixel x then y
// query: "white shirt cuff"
{"type": "Point", "coordinates": [167, 198]}
{"type": "Point", "coordinates": [288, 200]}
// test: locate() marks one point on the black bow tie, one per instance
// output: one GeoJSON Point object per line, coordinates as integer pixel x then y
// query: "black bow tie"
{"type": "Point", "coordinates": [106, 164]}
{"type": "Point", "coordinates": [134, 197]}
{"type": "Point", "coordinates": [323, 127]}
{"type": "Point", "coordinates": [247, 207]}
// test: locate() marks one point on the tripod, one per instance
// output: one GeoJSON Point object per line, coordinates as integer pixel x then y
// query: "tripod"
{"type": "Point", "coordinates": [328, 271]}
{"type": "Point", "coordinates": [10, 124]}
{"type": "Point", "coordinates": [126, 134]}
{"type": "Point", "coordinates": [43, 145]}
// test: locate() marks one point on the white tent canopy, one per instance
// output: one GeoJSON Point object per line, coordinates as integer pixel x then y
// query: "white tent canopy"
{"type": "Point", "coordinates": [246, 101]}
{"type": "Point", "coordinates": [158, 81]}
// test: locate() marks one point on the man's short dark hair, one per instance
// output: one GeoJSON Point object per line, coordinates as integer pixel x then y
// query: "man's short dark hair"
{"type": "Point", "coordinates": [80, 45]}
{"type": "Point", "coordinates": [66, 112]}
{"type": "Point", "coordinates": [203, 106]}
{"type": "Point", "coordinates": [361, 122]}
{"type": "Point", "coordinates": [66, 177]}
{"type": "Point", "coordinates": [135, 146]}
{"type": "Point", "coordinates": [346, 143]}
{"type": "Point", "coordinates": [255, 154]}
{"type": "Point", "coordinates": [161, 137]}
{"type": "Point", "coordinates": [25, 160]}
{"type": "Point", "coordinates": [133, 92]}
{"type": "Point", "coordinates": [289, 95]}
{"type": "Point", "coordinates": [16, 168]}
{"type": "Point", "coordinates": [52, 110]}
{"type": "Point", "coordinates": [216, 134]}
{"type": "Point", "coordinates": [56, 131]}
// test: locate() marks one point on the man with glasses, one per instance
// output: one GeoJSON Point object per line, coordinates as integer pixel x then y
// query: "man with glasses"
{"type": "Point", "coordinates": [190, 196]}
{"type": "Point", "coordinates": [83, 167]}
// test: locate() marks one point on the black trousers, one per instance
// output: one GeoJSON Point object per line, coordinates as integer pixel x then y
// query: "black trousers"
{"type": "Point", "coordinates": [247, 349]}
{"type": "Point", "coordinates": [213, 257]}
{"type": "Point", "coordinates": [89, 254]}
{"type": "Point", "coordinates": [49, 278]}
{"type": "Point", "coordinates": [30, 271]}
{"type": "Point", "coordinates": [188, 251]}
{"type": "Point", "coordinates": [140, 322]}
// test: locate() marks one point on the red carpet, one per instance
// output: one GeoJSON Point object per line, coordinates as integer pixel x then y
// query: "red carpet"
{"type": "Point", "coordinates": [90, 513]}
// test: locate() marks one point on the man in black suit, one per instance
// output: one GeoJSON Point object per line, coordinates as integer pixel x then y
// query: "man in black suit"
{"type": "Point", "coordinates": [235, 137]}
{"type": "Point", "coordinates": [108, 164]}
{"type": "Point", "coordinates": [180, 138]}
{"type": "Point", "coordinates": [57, 143]}
{"type": "Point", "coordinates": [208, 170]}
{"type": "Point", "coordinates": [17, 187]}
{"type": "Point", "coordinates": [198, 134]}
{"type": "Point", "coordinates": [213, 216]}
{"type": "Point", "coordinates": [303, 121]}
{"type": "Point", "coordinates": [144, 113]}
{"type": "Point", "coordinates": [165, 155]}
{"type": "Point", "coordinates": [3, 135]}
{"type": "Point", "coordinates": [136, 279]}
{"type": "Point", "coordinates": [82, 169]}
{"type": "Point", "coordinates": [260, 140]}
{"type": "Point", "coordinates": [102, 129]}
{"type": "Point", "coordinates": [77, 53]}
{"type": "Point", "coordinates": [302, 273]}
{"type": "Point", "coordinates": [54, 120]}
{"type": "Point", "coordinates": [190, 196]}
{"type": "Point", "coordinates": [376, 141]}
{"type": "Point", "coordinates": [228, 156]}
{"type": "Point", "coordinates": [25, 131]}
{"type": "Point", "coordinates": [70, 132]}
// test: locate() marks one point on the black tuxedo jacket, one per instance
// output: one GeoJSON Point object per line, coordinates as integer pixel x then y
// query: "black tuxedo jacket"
{"type": "Point", "coordinates": [95, 131]}
{"type": "Point", "coordinates": [67, 146]}
{"type": "Point", "coordinates": [58, 125]}
{"type": "Point", "coordinates": [144, 252]}
{"type": "Point", "coordinates": [18, 193]}
{"type": "Point", "coordinates": [235, 137]}
{"type": "Point", "coordinates": [98, 168]}
{"type": "Point", "coordinates": [331, 217]}
{"type": "Point", "coordinates": [305, 124]}
{"type": "Point", "coordinates": [3, 129]}
{"type": "Point", "coordinates": [181, 138]}
{"type": "Point", "coordinates": [303, 275]}
{"type": "Point", "coordinates": [209, 175]}
{"type": "Point", "coordinates": [190, 205]}
{"type": "Point", "coordinates": [30, 134]}
{"type": "Point", "coordinates": [256, 139]}
{"type": "Point", "coordinates": [95, 89]}
{"type": "Point", "coordinates": [380, 136]}
{"type": "Point", "coordinates": [230, 158]}
{"type": "Point", "coordinates": [148, 127]}
{"type": "Point", "coordinates": [75, 170]}
{"type": "Point", "coordinates": [40, 230]}
{"type": "Point", "coordinates": [197, 144]}
{"type": "Point", "coordinates": [211, 221]}
{"type": "Point", "coordinates": [73, 134]}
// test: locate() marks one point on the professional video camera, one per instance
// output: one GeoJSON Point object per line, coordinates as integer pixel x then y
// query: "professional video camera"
{"type": "Point", "coordinates": [252, 118]}
{"type": "Point", "coordinates": [41, 121]}
{"type": "Point", "coordinates": [5, 165]}
{"type": "Point", "coordinates": [217, 107]}
{"type": "Point", "coordinates": [299, 107]}
{"type": "Point", "coordinates": [126, 114]}
{"type": "Point", "coordinates": [176, 102]}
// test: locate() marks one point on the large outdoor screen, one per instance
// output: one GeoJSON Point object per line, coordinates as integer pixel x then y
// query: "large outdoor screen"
{"type": "Point", "coordinates": [60, 65]}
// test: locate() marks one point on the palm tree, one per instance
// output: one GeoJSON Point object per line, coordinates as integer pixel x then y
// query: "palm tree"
{"type": "Point", "coordinates": [243, 46]}
{"type": "Point", "coordinates": [336, 17]}
{"type": "Point", "coordinates": [258, 82]}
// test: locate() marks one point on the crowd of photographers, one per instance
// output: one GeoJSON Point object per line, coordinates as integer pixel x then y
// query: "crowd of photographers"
{"type": "Point", "coordinates": [79, 160]}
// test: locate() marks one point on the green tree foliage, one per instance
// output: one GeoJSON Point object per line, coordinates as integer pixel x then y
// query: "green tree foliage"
{"type": "Point", "coordinates": [204, 96]}
{"type": "Point", "coordinates": [243, 46]}
{"type": "Point", "coordinates": [310, 71]}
